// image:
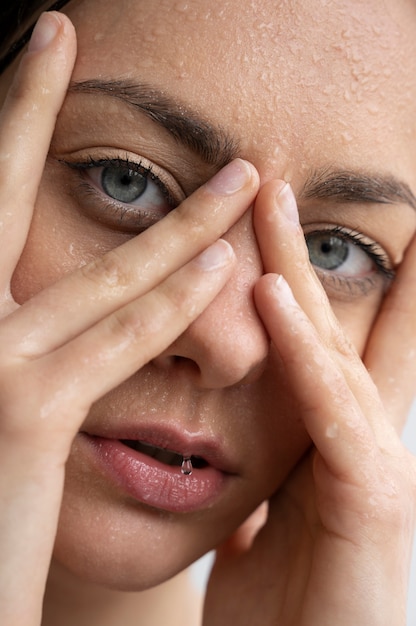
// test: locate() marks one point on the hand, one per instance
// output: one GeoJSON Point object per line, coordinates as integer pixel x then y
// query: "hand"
{"type": "Point", "coordinates": [336, 544]}
{"type": "Point", "coordinates": [66, 347]}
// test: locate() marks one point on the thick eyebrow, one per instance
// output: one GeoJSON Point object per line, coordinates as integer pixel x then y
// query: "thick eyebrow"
{"type": "Point", "coordinates": [211, 143]}
{"type": "Point", "coordinates": [216, 147]}
{"type": "Point", "coordinates": [357, 187]}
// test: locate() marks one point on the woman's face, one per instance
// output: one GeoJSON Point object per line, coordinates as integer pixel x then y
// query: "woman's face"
{"type": "Point", "coordinates": [319, 94]}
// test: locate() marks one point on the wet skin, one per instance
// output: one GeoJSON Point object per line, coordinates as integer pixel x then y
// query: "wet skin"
{"type": "Point", "coordinates": [306, 95]}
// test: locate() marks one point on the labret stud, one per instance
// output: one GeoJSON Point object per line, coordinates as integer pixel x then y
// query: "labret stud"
{"type": "Point", "coordinates": [186, 467]}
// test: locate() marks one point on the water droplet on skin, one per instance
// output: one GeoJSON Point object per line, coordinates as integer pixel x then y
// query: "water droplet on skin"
{"type": "Point", "coordinates": [332, 431]}
{"type": "Point", "coordinates": [373, 109]}
{"type": "Point", "coordinates": [186, 467]}
{"type": "Point", "coordinates": [346, 137]}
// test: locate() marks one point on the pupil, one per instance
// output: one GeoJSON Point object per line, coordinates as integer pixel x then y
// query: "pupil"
{"type": "Point", "coordinates": [123, 184]}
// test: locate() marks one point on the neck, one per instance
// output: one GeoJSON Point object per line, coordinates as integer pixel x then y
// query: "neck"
{"type": "Point", "coordinates": [70, 601]}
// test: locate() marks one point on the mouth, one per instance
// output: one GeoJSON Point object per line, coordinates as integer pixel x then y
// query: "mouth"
{"type": "Point", "coordinates": [158, 475]}
{"type": "Point", "coordinates": [163, 455]}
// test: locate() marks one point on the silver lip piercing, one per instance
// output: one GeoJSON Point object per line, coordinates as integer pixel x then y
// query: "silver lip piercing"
{"type": "Point", "coordinates": [186, 467]}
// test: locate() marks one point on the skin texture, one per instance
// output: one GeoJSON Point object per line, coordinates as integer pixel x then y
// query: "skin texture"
{"type": "Point", "coordinates": [303, 93]}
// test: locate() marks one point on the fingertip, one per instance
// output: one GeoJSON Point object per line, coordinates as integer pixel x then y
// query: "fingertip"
{"type": "Point", "coordinates": [53, 31]}
{"type": "Point", "coordinates": [275, 200]}
{"type": "Point", "coordinates": [219, 254]}
{"type": "Point", "coordinates": [266, 207]}
{"type": "Point", "coordinates": [264, 289]}
{"type": "Point", "coordinates": [232, 178]}
{"type": "Point", "coordinates": [273, 293]}
{"type": "Point", "coordinates": [45, 31]}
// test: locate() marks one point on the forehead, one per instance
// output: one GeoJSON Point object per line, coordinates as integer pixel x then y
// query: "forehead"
{"type": "Point", "coordinates": [296, 81]}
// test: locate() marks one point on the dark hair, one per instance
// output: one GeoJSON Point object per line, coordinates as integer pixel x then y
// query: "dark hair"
{"type": "Point", "coordinates": [16, 24]}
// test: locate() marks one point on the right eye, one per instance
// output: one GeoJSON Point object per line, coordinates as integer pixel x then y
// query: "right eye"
{"type": "Point", "coordinates": [125, 194]}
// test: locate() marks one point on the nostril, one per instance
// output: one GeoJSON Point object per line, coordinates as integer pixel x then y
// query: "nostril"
{"type": "Point", "coordinates": [177, 362]}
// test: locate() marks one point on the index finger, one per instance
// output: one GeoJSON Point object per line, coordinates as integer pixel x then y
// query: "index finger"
{"type": "Point", "coordinates": [27, 121]}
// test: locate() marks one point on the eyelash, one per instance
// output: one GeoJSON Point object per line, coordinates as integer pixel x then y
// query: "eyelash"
{"type": "Point", "coordinates": [372, 249]}
{"type": "Point", "coordinates": [138, 167]}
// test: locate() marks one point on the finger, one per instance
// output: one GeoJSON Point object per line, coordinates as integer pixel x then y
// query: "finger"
{"type": "Point", "coordinates": [85, 370]}
{"type": "Point", "coordinates": [27, 121]}
{"type": "Point", "coordinates": [331, 413]}
{"type": "Point", "coordinates": [115, 348]}
{"type": "Point", "coordinates": [81, 299]}
{"type": "Point", "coordinates": [284, 251]}
{"type": "Point", "coordinates": [391, 350]}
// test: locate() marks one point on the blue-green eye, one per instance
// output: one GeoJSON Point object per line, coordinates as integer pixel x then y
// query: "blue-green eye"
{"type": "Point", "coordinates": [346, 253]}
{"type": "Point", "coordinates": [124, 184]}
{"type": "Point", "coordinates": [123, 194]}
{"type": "Point", "coordinates": [130, 185]}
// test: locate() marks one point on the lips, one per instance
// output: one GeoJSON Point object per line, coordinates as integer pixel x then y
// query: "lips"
{"type": "Point", "coordinates": [147, 467]}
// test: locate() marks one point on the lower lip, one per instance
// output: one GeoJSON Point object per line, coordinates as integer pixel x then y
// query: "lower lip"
{"type": "Point", "coordinates": [154, 483]}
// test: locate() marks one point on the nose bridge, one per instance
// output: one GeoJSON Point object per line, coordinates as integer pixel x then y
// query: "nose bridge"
{"type": "Point", "coordinates": [227, 345]}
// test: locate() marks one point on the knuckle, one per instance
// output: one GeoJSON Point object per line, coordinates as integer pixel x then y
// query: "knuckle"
{"type": "Point", "coordinates": [184, 301]}
{"type": "Point", "coordinates": [37, 89]}
{"type": "Point", "coordinates": [148, 319]}
{"type": "Point", "coordinates": [110, 273]}
{"type": "Point", "coordinates": [193, 224]}
{"type": "Point", "coordinates": [128, 325]}
{"type": "Point", "coordinates": [390, 499]}
{"type": "Point", "coordinates": [21, 88]}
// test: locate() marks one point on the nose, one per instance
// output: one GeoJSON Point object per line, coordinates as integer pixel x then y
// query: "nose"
{"type": "Point", "coordinates": [227, 345]}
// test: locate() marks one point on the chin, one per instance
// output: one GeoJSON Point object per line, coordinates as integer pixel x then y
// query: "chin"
{"type": "Point", "coordinates": [108, 538]}
{"type": "Point", "coordinates": [117, 574]}
{"type": "Point", "coordinates": [125, 548]}
{"type": "Point", "coordinates": [111, 568]}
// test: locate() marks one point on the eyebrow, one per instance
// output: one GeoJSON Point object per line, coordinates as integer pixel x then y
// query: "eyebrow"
{"type": "Point", "coordinates": [216, 147]}
{"type": "Point", "coordinates": [357, 187]}
{"type": "Point", "coordinates": [211, 143]}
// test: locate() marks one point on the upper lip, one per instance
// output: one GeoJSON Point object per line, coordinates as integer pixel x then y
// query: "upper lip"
{"type": "Point", "coordinates": [184, 442]}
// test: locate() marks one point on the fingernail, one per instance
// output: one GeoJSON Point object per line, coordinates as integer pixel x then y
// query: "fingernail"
{"type": "Point", "coordinates": [231, 178]}
{"type": "Point", "coordinates": [284, 291]}
{"type": "Point", "coordinates": [216, 256]}
{"type": "Point", "coordinates": [287, 204]}
{"type": "Point", "coordinates": [44, 32]}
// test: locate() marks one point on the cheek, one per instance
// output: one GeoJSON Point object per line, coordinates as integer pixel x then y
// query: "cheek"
{"type": "Point", "coordinates": [40, 264]}
{"type": "Point", "coordinates": [357, 319]}
{"type": "Point", "coordinates": [60, 241]}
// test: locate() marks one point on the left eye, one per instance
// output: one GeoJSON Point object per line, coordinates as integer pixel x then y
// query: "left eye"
{"type": "Point", "coordinates": [124, 184]}
{"type": "Point", "coordinates": [337, 253]}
